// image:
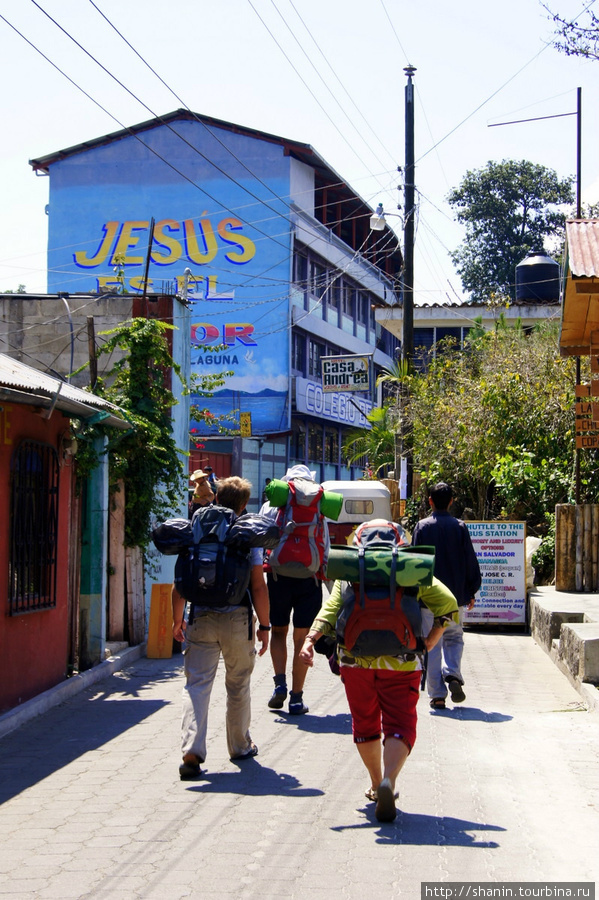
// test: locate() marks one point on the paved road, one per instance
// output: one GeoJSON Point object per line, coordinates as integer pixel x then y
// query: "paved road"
{"type": "Point", "coordinates": [503, 788]}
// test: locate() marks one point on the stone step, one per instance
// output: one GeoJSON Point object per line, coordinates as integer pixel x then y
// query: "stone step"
{"type": "Point", "coordinates": [578, 650]}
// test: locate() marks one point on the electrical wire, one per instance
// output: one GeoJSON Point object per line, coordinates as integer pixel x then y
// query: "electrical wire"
{"type": "Point", "coordinates": [308, 88]}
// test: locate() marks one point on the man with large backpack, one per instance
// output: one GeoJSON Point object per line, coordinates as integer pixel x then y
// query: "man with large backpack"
{"type": "Point", "coordinates": [380, 646]}
{"type": "Point", "coordinates": [295, 569]}
{"type": "Point", "coordinates": [225, 583]}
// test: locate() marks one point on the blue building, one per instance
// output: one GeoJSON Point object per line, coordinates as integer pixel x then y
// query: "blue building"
{"type": "Point", "coordinates": [272, 250]}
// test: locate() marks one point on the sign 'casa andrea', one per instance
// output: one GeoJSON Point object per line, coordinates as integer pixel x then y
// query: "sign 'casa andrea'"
{"type": "Point", "coordinates": [345, 373]}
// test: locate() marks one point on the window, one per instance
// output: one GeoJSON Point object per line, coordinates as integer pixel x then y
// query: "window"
{"type": "Point", "coordinates": [300, 270]}
{"type": "Point", "coordinates": [34, 527]}
{"type": "Point", "coordinates": [315, 443]}
{"type": "Point", "coordinates": [359, 507]}
{"type": "Point", "coordinates": [362, 308]}
{"type": "Point", "coordinates": [315, 351]}
{"type": "Point", "coordinates": [298, 352]}
{"type": "Point", "coordinates": [443, 333]}
{"type": "Point", "coordinates": [331, 446]}
{"type": "Point", "coordinates": [319, 280]}
{"type": "Point", "coordinates": [334, 295]}
{"type": "Point", "coordinates": [298, 444]}
{"type": "Point", "coordinates": [347, 300]}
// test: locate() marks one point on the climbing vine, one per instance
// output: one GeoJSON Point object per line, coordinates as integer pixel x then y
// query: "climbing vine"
{"type": "Point", "coordinates": [145, 458]}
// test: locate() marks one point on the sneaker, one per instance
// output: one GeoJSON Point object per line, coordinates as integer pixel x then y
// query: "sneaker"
{"type": "Point", "coordinates": [278, 698]}
{"type": "Point", "coordinates": [456, 690]}
{"type": "Point", "coordinates": [385, 802]}
{"type": "Point", "coordinates": [297, 707]}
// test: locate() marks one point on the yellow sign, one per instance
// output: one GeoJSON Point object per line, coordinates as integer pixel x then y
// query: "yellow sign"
{"type": "Point", "coordinates": [245, 424]}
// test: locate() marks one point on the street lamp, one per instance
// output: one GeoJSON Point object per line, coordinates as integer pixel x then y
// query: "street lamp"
{"type": "Point", "coordinates": [377, 219]}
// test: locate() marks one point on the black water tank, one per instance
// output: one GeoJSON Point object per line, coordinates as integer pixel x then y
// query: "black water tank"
{"type": "Point", "coordinates": [537, 279]}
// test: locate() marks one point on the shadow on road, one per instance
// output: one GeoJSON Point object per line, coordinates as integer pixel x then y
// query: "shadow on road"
{"type": "Point", "coordinates": [471, 714]}
{"type": "Point", "coordinates": [253, 780]}
{"type": "Point", "coordinates": [50, 742]}
{"type": "Point", "coordinates": [423, 830]}
{"type": "Point", "coordinates": [339, 723]}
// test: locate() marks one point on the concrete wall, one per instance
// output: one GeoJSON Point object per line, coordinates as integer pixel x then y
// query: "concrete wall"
{"type": "Point", "coordinates": [43, 330]}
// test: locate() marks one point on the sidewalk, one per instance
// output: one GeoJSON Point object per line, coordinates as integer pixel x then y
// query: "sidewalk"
{"type": "Point", "coordinates": [504, 787]}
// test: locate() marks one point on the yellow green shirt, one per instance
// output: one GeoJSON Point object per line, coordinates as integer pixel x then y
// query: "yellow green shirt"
{"type": "Point", "coordinates": [437, 598]}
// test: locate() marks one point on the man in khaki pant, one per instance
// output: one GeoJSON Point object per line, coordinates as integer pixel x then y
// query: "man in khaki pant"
{"type": "Point", "coordinates": [229, 631]}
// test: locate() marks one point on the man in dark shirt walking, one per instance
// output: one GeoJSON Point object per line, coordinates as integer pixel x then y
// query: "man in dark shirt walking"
{"type": "Point", "coordinates": [457, 567]}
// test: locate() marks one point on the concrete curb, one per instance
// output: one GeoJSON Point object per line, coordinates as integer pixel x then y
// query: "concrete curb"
{"type": "Point", "coordinates": [29, 710]}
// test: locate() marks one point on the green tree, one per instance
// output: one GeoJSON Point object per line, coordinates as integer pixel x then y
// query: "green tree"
{"type": "Point", "coordinates": [373, 447]}
{"type": "Point", "coordinates": [146, 458]}
{"type": "Point", "coordinates": [496, 420]}
{"type": "Point", "coordinates": [508, 208]}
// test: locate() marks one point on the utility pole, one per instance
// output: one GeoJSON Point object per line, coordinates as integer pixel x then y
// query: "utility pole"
{"type": "Point", "coordinates": [409, 211]}
{"type": "Point", "coordinates": [408, 276]}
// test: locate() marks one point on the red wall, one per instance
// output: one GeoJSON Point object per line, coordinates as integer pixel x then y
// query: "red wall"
{"type": "Point", "coordinates": [33, 646]}
{"type": "Point", "coordinates": [220, 462]}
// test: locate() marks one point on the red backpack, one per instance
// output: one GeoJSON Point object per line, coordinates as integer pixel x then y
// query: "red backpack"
{"type": "Point", "coordinates": [377, 617]}
{"type": "Point", "coordinates": [300, 552]}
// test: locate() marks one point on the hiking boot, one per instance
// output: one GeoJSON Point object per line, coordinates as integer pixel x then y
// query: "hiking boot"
{"type": "Point", "coordinates": [190, 768]}
{"type": "Point", "coordinates": [456, 690]}
{"type": "Point", "coordinates": [297, 707]}
{"type": "Point", "coordinates": [278, 697]}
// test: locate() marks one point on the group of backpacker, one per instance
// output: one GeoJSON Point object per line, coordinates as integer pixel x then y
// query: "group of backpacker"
{"type": "Point", "coordinates": [240, 575]}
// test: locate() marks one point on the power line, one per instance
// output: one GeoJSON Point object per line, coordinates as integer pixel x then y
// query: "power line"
{"type": "Point", "coordinates": [308, 88]}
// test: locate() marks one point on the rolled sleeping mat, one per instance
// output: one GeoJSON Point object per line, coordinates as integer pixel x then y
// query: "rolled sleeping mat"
{"type": "Point", "coordinates": [413, 569]}
{"type": "Point", "coordinates": [277, 492]}
{"type": "Point", "coordinates": [330, 506]}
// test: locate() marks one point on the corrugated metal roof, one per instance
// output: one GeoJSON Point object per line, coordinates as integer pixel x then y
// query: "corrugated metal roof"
{"type": "Point", "coordinates": [37, 388]}
{"type": "Point", "coordinates": [582, 237]}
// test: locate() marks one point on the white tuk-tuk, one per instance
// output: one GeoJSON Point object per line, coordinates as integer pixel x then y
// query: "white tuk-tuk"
{"type": "Point", "coordinates": [362, 500]}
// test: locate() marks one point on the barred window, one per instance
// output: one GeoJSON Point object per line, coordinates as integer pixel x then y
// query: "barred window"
{"type": "Point", "coordinates": [33, 527]}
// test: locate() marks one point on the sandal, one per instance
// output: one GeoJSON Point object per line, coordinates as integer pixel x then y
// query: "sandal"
{"type": "Point", "coordinates": [437, 703]}
{"type": "Point", "coordinates": [371, 794]}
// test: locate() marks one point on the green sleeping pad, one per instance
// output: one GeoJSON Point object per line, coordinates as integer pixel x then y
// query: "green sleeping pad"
{"type": "Point", "coordinates": [415, 567]}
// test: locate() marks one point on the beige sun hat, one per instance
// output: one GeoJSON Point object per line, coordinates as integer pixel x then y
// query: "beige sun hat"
{"type": "Point", "coordinates": [198, 475]}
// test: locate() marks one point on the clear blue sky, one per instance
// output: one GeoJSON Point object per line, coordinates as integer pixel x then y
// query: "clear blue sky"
{"type": "Point", "coordinates": [324, 72]}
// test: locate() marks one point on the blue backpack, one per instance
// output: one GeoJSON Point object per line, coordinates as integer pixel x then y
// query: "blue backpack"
{"type": "Point", "coordinates": [213, 567]}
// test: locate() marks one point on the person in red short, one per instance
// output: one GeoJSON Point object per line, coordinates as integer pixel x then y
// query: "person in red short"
{"type": "Point", "coordinates": [382, 693]}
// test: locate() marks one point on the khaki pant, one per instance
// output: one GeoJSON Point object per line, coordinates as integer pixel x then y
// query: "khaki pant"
{"type": "Point", "coordinates": [210, 635]}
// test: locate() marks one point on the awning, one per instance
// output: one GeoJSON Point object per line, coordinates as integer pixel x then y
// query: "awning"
{"type": "Point", "coordinates": [20, 383]}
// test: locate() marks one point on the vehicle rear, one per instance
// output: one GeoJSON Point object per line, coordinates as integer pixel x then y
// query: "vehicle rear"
{"type": "Point", "coordinates": [362, 501]}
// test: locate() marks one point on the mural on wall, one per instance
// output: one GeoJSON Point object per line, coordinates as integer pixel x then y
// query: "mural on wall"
{"type": "Point", "coordinates": [218, 234]}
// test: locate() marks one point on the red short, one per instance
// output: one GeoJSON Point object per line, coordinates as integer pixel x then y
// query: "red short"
{"type": "Point", "coordinates": [380, 699]}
